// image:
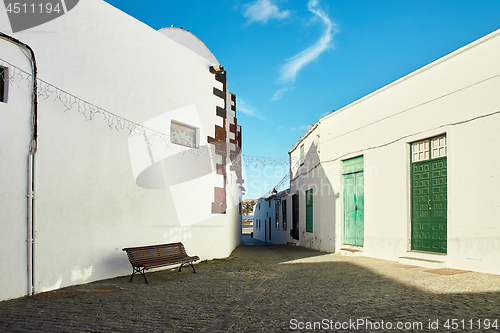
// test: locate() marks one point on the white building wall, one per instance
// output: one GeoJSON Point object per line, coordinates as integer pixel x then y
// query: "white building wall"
{"type": "Point", "coordinates": [265, 209]}
{"type": "Point", "coordinates": [283, 235]}
{"type": "Point", "coordinates": [96, 191]}
{"type": "Point", "coordinates": [261, 212]}
{"type": "Point", "coordinates": [457, 96]}
{"type": "Point", "coordinates": [311, 175]}
{"type": "Point", "coordinates": [15, 137]}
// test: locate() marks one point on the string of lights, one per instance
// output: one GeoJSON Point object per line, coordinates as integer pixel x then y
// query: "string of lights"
{"type": "Point", "coordinates": [284, 183]}
{"type": "Point", "coordinates": [71, 102]}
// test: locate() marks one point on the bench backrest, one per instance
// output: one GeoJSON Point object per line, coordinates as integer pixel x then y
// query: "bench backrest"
{"type": "Point", "coordinates": [164, 251]}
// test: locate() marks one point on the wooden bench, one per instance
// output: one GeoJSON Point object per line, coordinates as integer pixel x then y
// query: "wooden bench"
{"type": "Point", "coordinates": [145, 257]}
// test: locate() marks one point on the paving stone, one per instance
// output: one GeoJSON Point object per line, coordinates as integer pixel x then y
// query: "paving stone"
{"type": "Point", "coordinates": [269, 288]}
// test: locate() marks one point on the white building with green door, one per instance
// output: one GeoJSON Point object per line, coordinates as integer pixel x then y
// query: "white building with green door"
{"type": "Point", "coordinates": [411, 171]}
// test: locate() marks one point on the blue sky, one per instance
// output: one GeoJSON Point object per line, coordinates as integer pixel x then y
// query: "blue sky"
{"type": "Point", "coordinates": [292, 62]}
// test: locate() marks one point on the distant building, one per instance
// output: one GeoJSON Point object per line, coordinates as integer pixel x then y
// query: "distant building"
{"type": "Point", "coordinates": [271, 218]}
{"type": "Point", "coordinates": [134, 141]}
{"type": "Point", "coordinates": [411, 171]}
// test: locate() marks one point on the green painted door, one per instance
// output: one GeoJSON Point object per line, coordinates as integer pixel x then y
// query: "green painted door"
{"type": "Point", "coordinates": [429, 205]}
{"type": "Point", "coordinates": [354, 200]}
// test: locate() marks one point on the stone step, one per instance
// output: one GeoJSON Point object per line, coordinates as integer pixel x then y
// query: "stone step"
{"type": "Point", "coordinates": [351, 251]}
{"type": "Point", "coordinates": [422, 262]}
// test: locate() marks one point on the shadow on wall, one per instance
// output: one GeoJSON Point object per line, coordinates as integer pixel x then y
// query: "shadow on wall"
{"type": "Point", "coordinates": [189, 173]}
{"type": "Point", "coordinates": [174, 170]}
{"type": "Point", "coordinates": [317, 201]}
{"type": "Point", "coordinates": [114, 262]}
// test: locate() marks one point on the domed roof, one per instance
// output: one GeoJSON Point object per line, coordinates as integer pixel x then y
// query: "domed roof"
{"type": "Point", "coordinates": [189, 40]}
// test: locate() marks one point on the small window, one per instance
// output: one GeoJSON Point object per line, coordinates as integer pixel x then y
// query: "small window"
{"type": "Point", "coordinates": [420, 151]}
{"type": "Point", "coordinates": [438, 147]}
{"type": "Point", "coordinates": [183, 135]}
{"type": "Point", "coordinates": [3, 84]}
{"type": "Point", "coordinates": [429, 149]}
{"type": "Point", "coordinates": [301, 154]}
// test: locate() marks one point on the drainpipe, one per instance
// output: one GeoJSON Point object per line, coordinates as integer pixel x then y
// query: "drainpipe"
{"type": "Point", "coordinates": [31, 225]}
{"type": "Point", "coordinates": [31, 165]}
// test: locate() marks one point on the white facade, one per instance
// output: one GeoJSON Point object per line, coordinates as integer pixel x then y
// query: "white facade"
{"type": "Point", "coordinates": [454, 99]}
{"type": "Point", "coordinates": [108, 173]}
{"type": "Point", "coordinates": [272, 218]}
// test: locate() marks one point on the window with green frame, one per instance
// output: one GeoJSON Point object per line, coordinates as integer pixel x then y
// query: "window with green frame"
{"type": "Point", "coordinates": [301, 154]}
{"type": "Point", "coordinates": [309, 211]}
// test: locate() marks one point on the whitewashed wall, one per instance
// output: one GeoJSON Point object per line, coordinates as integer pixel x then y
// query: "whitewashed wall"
{"type": "Point", "coordinates": [90, 200]}
{"type": "Point", "coordinates": [283, 236]}
{"type": "Point", "coordinates": [457, 96]}
{"type": "Point", "coordinates": [15, 136]}
{"type": "Point", "coordinates": [267, 208]}
{"type": "Point", "coordinates": [261, 212]}
{"type": "Point", "coordinates": [311, 175]}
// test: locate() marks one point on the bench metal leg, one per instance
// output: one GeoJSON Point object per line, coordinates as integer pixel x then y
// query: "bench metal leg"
{"type": "Point", "coordinates": [138, 270]}
{"type": "Point", "coordinates": [187, 263]}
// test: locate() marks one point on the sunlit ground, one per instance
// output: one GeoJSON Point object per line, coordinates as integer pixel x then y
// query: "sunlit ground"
{"type": "Point", "coordinates": [442, 280]}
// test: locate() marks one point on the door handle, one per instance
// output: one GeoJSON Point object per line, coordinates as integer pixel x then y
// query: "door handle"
{"type": "Point", "coordinates": [356, 207]}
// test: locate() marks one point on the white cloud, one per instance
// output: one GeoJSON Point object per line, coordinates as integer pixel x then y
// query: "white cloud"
{"type": "Point", "coordinates": [325, 114]}
{"type": "Point", "coordinates": [303, 127]}
{"type": "Point", "coordinates": [279, 93]}
{"type": "Point", "coordinates": [280, 127]}
{"type": "Point", "coordinates": [248, 110]}
{"type": "Point", "coordinates": [290, 69]}
{"type": "Point", "coordinates": [263, 10]}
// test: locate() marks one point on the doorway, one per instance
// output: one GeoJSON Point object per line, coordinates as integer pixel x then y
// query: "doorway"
{"type": "Point", "coordinates": [429, 195]}
{"type": "Point", "coordinates": [294, 232]}
{"type": "Point", "coordinates": [354, 201]}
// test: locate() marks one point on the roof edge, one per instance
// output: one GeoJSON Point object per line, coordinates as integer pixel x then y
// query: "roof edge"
{"type": "Point", "coordinates": [430, 65]}
{"type": "Point", "coordinates": [304, 137]}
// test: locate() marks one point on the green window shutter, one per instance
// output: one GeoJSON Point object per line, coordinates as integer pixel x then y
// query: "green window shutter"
{"type": "Point", "coordinates": [352, 165]}
{"type": "Point", "coordinates": [309, 211]}
{"type": "Point", "coordinates": [301, 154]}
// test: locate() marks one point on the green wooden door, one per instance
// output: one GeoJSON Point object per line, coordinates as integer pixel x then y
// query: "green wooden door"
{"type": "Point", "coordinates": [309, 211]}
{"type": "Point", "coordinates": [429, 205]}
{"type": "Point", "coordinates": [354, 200]}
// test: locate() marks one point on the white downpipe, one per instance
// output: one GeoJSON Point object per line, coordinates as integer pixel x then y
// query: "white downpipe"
{"type": "Point", "coordinates": [31, 225]}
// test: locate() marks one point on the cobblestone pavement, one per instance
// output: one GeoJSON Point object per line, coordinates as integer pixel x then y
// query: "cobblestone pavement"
{"type": "Point", "coordinates": [268, 289]}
